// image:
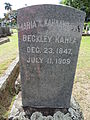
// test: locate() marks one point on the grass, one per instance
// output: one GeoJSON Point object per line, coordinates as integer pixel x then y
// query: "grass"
{"type": "Point", "coordinates": [81, 89]}
{"type": "Point", "coordinates": [84, 54]}
{"type": "Point", "coordinates": [83, 65]}
{"type": "Point", "coordinates": [8, 111]}
{"type": "Point", "coordinates": [8, 53]}
{"type": "Point", "coordinates": [14, 30]}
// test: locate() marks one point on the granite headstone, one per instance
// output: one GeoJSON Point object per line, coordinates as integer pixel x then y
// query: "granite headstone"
{"type": "Point", "coordinates": [49, 40]}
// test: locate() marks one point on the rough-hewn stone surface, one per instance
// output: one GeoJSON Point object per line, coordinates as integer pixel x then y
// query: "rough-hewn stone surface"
{"type": "Point", "coordinates": [18, 113]}
{"type": "Point", "coordinates": [4, 31]}
{"type": "Point", "coordinates": [49, 40]}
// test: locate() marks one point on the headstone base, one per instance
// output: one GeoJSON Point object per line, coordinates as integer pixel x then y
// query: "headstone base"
{"type": "Point", "coordinates": [20, 113]}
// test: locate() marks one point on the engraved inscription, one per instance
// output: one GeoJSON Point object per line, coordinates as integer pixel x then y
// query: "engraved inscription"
{"type": "Point", "coordinates": [48, 60]}
{"type": "Point", "coordinates": [64, 51]}
{"type": "Point", "coordinates": [33, 39]}
{"type": "Point", "coordinates": [58, 61]}
{"type": "Point", "coordinates": [49, 39]}
{"type": "Point", "coordinates": [50, 22]}
{"type": "Point", "coordinates": [34, 60]}
{"type": "Point", "coordinates": [33, 50]}
{"type": "Point", "coordinates": [49, 50]}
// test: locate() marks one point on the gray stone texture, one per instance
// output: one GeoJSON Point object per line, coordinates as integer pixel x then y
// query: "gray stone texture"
{"type": "Point", "coordinates": [18, 113]}
{"type": "Point", "coordinates": [49, 40]}
{"type": "Point", "coordinates": [4, 31]}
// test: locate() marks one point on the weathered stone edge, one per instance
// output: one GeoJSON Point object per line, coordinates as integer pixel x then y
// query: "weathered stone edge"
{"type": "Point", "coordinates": [4, 41]}
{"type": "Point", "coordinates": [9, 73]}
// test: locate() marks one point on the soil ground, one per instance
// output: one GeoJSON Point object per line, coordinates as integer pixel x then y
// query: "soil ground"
{"type": "Point", "coordinates": [81, 88]}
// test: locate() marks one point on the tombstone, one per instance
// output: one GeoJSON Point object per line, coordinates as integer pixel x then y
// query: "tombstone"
{"type": "Point", "coordinates": [49, 40]}
{"type": "Point", "coordinates": [8, 31]}
{"type": "Point", "coordinates": [4, 31]}
{"type": "Point", "coordinates": [1, 32]}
